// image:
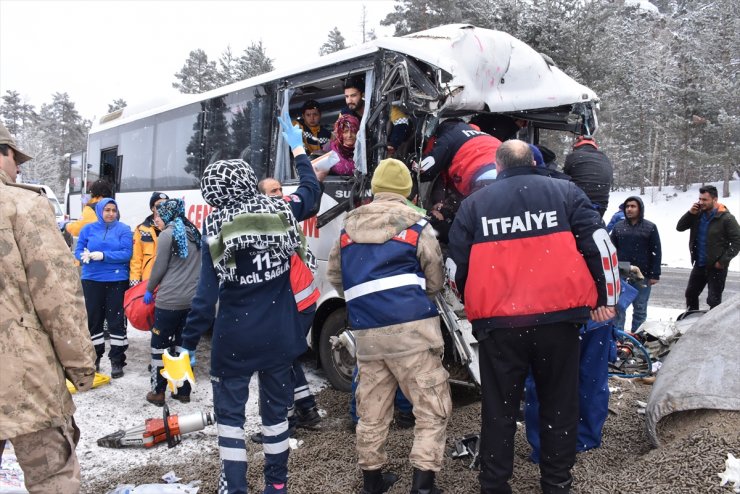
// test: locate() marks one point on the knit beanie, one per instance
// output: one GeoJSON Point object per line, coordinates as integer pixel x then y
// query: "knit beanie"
{"type": "Point", "coordinates": [156, 196]}
{"type": "Point", "coordinates": [392, 175]}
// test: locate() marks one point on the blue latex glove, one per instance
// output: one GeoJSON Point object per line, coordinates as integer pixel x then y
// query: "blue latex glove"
{"type": "Point", "coordinates": [192, 356]}
{"type": "Point", "coordinates": [148, 297]}
{"type": "Point", "coordinates": [291, 133]}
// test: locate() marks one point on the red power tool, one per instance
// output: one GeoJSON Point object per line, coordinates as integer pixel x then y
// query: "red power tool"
{"type": "Point", "coordinates": [169, 428]}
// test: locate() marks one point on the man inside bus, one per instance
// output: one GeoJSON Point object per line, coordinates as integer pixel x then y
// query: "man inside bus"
{"type": "Point", "coordinates": [465, 157]}
{"type": "Point", "coordinates": [315, 137]}
{"type": "Point", "coordinates": [354, 97]}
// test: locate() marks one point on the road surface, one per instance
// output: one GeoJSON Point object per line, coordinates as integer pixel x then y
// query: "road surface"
{"type": "Point", "coordinates": [669, 292]}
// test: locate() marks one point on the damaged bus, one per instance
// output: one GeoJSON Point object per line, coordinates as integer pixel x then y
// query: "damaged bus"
{"type": "Point", "coordinates": [449, 71]}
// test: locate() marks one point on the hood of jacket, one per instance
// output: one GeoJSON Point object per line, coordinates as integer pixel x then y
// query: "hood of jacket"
{"type": "Point", "coordinates": [101, 205]}
{"type": "Point", "coordinates": [639, 203]}
{"type": "Point", "coordinates": [384, 218]}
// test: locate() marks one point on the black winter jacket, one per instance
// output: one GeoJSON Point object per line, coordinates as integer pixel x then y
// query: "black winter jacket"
{"type": "Point", "coordinates": [591, 170]}
{"type": "Point", "coordinates": [639, 243]}
{"type": "Point", "coordinates": [723, 237]}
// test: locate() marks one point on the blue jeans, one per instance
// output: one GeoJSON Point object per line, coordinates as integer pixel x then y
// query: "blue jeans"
{"type": "Point", "coordinates": [639, 308]}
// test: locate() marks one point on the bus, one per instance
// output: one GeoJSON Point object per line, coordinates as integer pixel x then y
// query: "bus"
{"type": "Point", "coordinates": [448, 71]}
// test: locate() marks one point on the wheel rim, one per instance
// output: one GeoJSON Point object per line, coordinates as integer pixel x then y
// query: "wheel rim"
{"type": "Point", "coordinates": [343, 362]}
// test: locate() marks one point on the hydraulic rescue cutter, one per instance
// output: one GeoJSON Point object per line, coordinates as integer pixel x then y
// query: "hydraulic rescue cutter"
{"type": "Point", "coordinates": [169, 428]}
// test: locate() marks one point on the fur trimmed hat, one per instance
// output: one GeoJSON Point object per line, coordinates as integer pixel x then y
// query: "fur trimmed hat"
{"type": "Point", "coordinates": [392, 175]}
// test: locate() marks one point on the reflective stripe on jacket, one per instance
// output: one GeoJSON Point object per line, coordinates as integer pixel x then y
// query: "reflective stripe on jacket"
{"type": "Point", "coordinates": [384, 284]}
{"type": "Point", "coordinates": [302, 282]}
{"type": "Point", "coordinates": [145, 250]}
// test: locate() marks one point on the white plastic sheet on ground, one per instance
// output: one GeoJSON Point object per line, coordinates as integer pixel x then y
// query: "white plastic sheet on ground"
{"type": "Point", "coordinates": [702, 370]}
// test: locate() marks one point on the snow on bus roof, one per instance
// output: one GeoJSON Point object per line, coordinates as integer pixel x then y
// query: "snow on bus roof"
{"type": "Point", "coordinates": [494, 68]}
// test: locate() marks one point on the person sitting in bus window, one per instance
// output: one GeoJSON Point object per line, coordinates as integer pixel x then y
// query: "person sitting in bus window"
{"type": "Point", "coordinates": [354, 97]}
{"type": "Point", "coordinates": [100, 189]}
{"type": "Point", "coordinates": [340, 160]}
{"type": "Point", "coordinates": [145, 242]}
{"type": "Point", "coordinates": [315, 137]}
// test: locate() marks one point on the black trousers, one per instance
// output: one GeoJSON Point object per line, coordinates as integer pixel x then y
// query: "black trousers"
{"type": "Point", "coordinates": [104, 302]}
{"type": "Point", "coordinates": [700, 277]}
{"type": "Point", "coordinates": [552, 352]}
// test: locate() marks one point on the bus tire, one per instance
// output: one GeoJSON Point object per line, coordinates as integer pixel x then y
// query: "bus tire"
{"type": "Point", "coordinates": [337, 364]}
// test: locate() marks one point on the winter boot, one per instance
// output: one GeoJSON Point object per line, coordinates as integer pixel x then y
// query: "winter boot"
{"type": "Point", "coordinates": [308, 417]}
{"type": "Point", "coordinates": [155, 398]}
{"type": "Point", "coordinates": [561, 488]}
{"type": "Point", "coordinates": [276, 489]}
{"type": "Point", "coordinates": [423, 483]}
{"type": "Point", "coordinates": [97, 364]}
{"type": "Point", "coordinates": [116, 370]}
{"type": "Point", "coordinates": [377, 482]}
{"type": "Point", "coordinates": [180, 398]}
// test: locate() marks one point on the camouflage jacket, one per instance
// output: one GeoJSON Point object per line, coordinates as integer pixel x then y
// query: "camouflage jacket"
{"type": "Point", "coordinates": [376, 223]}
{"type": "Point", "coordinates": [43, 323]}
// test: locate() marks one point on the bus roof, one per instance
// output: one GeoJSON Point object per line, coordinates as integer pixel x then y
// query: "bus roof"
{"type": "Point", "coordinates": [495, 70]}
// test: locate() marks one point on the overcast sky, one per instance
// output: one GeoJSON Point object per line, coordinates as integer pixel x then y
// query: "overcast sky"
{"type": "Point", "coordinates": [100, 50]}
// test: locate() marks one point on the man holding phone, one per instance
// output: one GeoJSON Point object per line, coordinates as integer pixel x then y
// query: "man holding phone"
{"type": "Point", "coordinates": [714, 240]}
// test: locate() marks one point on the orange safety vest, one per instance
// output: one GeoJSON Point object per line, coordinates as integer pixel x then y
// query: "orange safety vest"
{"type": "Point", "coordinates": [301, 281]}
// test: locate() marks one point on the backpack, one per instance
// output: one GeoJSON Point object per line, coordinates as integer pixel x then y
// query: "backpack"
{"type": "Point", "coordinates": [139, 314]}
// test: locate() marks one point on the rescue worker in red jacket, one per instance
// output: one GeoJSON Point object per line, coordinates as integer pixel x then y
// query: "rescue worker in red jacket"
{"type": "Point", "coordinates": [465, 157]}
{"type": "Point", "coordinates": [512, 242]}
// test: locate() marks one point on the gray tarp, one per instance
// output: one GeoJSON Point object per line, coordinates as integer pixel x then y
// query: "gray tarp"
{"type": "Point", "coordinates": [702, 371]}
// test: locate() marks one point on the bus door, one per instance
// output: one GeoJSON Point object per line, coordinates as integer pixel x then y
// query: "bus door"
{"type": "Point", "coordinates": [110, 167]}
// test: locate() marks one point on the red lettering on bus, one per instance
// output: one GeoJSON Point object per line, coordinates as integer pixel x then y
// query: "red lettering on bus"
{"type": "Point", "coordinates": [309, 228]}
{"type": "Point", "coordinates": [199, 212]}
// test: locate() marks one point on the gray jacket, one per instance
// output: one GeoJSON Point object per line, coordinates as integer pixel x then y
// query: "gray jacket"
{"type": "Point", "coordinates": [176, 277]}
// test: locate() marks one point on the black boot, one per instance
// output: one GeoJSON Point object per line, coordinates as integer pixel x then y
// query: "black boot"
{"type": "Point", "coordinates": [552, 488]}
{"type": "Point", "coordinates": [423, 482]}
{"type": "Point", "coordinates": [377, 482]}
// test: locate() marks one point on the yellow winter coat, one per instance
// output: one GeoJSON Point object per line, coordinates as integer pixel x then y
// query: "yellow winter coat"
{"type": "Point", "coordinates": [43, 323]}
{"type": "Point", "coordinates": [88, 216]}
{"type": "Point", "coordinates": [145, 250]}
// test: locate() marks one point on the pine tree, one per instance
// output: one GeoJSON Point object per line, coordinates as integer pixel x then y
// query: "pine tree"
{"type": "Point", "coordinates": [228, 67]}
{"type": "Point", "coordinates": [116, 105]}
{"type": "Point", "coordinates": [334, 42]}
{"type": "Point", "coordinates": [61, 130]}
{"type": "Point", "coordinates": [410, 16]}
{"type": "Point", "coordinates": [253, 62]}
{"type": "Point", "coordinates": [197, 75]}
{"type": "Point", "coordinates": [16, 113]}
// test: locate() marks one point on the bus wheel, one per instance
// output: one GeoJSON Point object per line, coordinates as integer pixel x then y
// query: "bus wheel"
{"type": "Point", "coordinates": [338, 363]}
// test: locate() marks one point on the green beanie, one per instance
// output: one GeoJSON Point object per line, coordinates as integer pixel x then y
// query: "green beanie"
{"type": "Point", "coordinates": [392, 175]}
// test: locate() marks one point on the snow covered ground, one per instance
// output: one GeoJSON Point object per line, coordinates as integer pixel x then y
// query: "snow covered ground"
{"type": "Point", "coordinates": [121, 404]}
{"type": "Point", "coordinates": [664, 208]}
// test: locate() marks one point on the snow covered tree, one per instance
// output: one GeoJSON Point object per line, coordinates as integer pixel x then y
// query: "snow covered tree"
{"type": "Point", "coordinates": [410, 16]}
{"type": "Point", "coordinates": [197, 75]}
{"type": "Point", "coordinates": [116, 105]}
{"type": "Point", "coordinates": [16, 113]}
{"type": "Point", "coordinates": [61, 130]}
{"type": "Point", "coordinates": [253, 62]}
{"type": "Point", "coordinates": [334, 42]}
{"type": "Point", "coordinates": [227, 67]}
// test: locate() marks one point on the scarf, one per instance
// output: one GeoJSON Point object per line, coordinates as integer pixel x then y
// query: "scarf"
{"type": "Point", "coordinates": [172, 211]}
{"type": "Point", "coordinates": [346, 165]}
{"type": "Point", "coordinates": [243, 219]}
